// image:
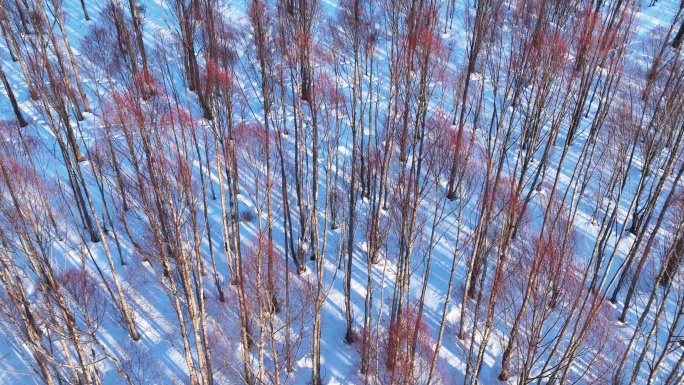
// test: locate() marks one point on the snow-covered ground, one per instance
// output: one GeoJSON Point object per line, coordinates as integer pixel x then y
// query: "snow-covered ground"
{"type": "Point", "coordinates": [445, 230]}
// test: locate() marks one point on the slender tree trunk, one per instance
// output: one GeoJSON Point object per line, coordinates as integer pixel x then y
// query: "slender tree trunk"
{"type": "Point", "coordinates": [85, 11]}
{"type": "Point", "coordinates": [77, 76]}
{"type": "Point", "coordinates": [15, 106]}
{"type": "Point", "coordinates": [146, 90]}
{"type": "Point", "coordinates": [677, 41]}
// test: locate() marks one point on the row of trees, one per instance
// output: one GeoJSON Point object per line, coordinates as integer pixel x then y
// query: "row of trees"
{"type": "Point", "coordinates": [219, 165]}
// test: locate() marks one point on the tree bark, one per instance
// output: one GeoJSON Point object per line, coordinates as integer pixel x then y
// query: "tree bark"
{"type": "Point", "coordinates": [15, 106]}
{"type": "Point", "coordinates": [677, 41]}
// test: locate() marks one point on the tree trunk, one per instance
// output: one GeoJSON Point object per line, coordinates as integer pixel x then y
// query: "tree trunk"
{"type": "Point", "coordinates": [677, 41]}
{"type": "Point", "coordinates": [77, 77]}
{"type": "Point", "coordinates": [13, 100]}
{"type": "Point", "coordinates": [85, 11]}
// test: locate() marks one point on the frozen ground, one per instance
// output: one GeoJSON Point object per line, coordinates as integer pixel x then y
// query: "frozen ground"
{"type": "Point", "coordinates": [159, 351]}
